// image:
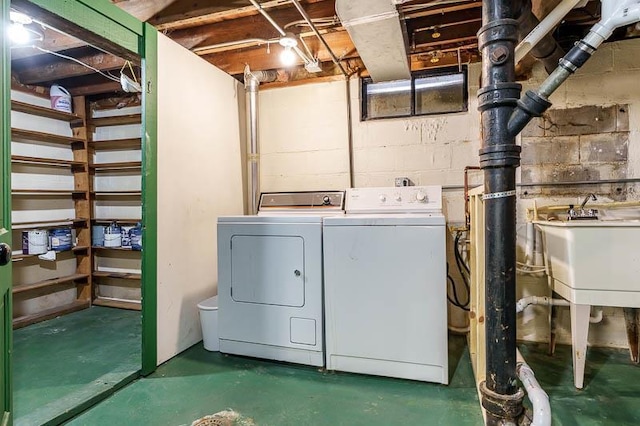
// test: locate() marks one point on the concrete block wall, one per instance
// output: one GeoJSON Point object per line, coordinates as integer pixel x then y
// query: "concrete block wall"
{"type": "Point", "coordinates": [435, 150]}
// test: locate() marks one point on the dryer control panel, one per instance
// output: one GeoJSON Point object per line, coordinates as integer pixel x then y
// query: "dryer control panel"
{"type": "Point", "coordinates": [405, 199]}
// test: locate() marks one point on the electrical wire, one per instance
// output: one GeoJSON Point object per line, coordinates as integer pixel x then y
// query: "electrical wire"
{"type": "Point", "coordinates": [455, 301]}
{"type": "Point", "coordinates": [70, 58]}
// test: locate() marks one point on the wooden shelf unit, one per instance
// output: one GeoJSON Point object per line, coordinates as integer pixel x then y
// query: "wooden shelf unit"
{"type": "Point", "coordinates": [124, 164]}
{"type": "Point", "coordinates": [80, 194]}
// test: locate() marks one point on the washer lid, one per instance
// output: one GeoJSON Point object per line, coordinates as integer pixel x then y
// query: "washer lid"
{"type": "Point", "coordinates": [277, 219]}
{"type": "Point", "coordinates": [407, 219]}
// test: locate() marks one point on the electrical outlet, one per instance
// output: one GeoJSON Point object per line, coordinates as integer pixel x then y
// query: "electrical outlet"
{"type": "Point", "coordinates": [403, 181]}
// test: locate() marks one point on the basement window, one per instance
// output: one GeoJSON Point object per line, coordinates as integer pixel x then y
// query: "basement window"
{"type": "Point", "coordinates": [441, 91]}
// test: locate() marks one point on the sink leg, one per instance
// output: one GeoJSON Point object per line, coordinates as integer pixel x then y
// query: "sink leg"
{"type": "Point", "coordinates": [632, 320]}
{"type": "Point", "coordinates": [553, 320]}
{"type": "Point", "coordinates": [579, 333]}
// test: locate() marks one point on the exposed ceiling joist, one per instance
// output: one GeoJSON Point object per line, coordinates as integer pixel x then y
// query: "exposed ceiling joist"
{"type": "Point", "coordinates": [61, 69]}
{"type": "Point", "coordinates": [143, 9]}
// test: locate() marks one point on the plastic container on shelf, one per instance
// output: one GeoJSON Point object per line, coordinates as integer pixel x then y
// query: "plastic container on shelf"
{"type": "Point", "coordinates": [35, 241]}
{"type": "Point", "coordinates": [113, 235]}
{"type": "Point", "coordinates": [135, 235]}
{"type": "Point", "coordinates": [60, 98]}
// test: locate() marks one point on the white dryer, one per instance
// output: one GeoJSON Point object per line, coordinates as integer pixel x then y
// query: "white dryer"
{"type": "Point", "coordinates": [385, 284]}
{"type": "Point", "coordinates": [270, 278]}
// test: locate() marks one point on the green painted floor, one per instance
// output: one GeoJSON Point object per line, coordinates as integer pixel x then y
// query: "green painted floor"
{"type": "Point", "coordinates": [611, 395]}
{"type": "Point", "coordinates": [197, 383]}
{"type": "Point", "coordinates": [64, 362]}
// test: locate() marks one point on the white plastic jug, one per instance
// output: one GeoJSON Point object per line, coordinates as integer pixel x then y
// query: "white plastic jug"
{"type": "Point", "coordinates": [60, 98]}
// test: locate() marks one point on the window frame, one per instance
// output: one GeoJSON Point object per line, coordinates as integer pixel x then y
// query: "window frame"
{"type": "Point", "coordinates": [434, 72]}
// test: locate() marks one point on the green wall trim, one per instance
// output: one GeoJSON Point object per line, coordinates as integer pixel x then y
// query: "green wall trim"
{"type": "Point", "coordinates": [150, 202]}
{"type": "Point", "coordinates": [100, 17]}
{"type": "Point", "coordinates": [5, 217]}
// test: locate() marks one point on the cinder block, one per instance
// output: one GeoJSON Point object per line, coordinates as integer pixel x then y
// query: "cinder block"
{"type": "Point", "coordinates": [550, 150]}
{"type": "Point", "coordinates": [604, 148]}
{"type": "Point", "coordinates": [572, 121]}
{"type": "Point", "coordinates": [534, 128]}
{"type": "Point", "coordinates": [622, 115]}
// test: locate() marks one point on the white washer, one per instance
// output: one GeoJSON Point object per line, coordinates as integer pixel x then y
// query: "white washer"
{"type": "Point", "coordinates": [385, 284]}
{"type": "Point", "coordinates": [270, 278]}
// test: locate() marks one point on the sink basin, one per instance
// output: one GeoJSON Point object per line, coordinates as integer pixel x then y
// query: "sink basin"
{"type": "Point", "coordinates": [593, 262]}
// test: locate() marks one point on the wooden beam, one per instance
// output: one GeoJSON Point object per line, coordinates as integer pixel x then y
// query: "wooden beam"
{"type": "Point", "coordinates": [95, 89]}
{"type": "Point", "coordinates": [67, 69]}
{"type": "Point", "coordinates": [253, 26]}
{"type": "Point", "coordinates": [233, 62]}
{"type": "Point", "coordinates": [143, 9]}
{"type": "Point", "coordinates": [185, 15]}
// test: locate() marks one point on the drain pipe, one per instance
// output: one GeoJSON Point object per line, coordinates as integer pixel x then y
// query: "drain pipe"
{"type": "Point", "coordinates": [538, 397]}
{"type": "Point", "coordinates": [252, 80]}
{"type": "Point", "coordinates": [615, 14]}
{"type": "Point", "coordinates": [499, 158]}
{"type": "Point", "coordinates": [546, 49]}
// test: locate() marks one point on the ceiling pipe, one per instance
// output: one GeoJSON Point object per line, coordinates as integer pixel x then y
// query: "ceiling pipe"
{"type": "Point", "coordinates": [309, 21]}
{"type": "Point", "coordinates": [547, 25]}
{"type": "Point", "coordinates": [615, 14]}
{"type": "Point", "coordinates": [499, 158]}
{"type": "Point", "coordinates": [211, 48]}
{"type": "Point", "coordinates": [546, 49]}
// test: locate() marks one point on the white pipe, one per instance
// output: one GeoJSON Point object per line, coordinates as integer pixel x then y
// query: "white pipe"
{"type": "Point", "coordinates": [528, 257]}
{"type": "Point", "coordinates": [546, 26]}
{"type": "Point", "coordinates": [538, 397]}
{"type": "Point", "coordinates": [523, 303]}
{"type": "Point", "coordinates": [597, 317]}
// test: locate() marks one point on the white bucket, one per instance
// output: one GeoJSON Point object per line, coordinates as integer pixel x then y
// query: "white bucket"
{"type": "Point", "coordinates": [113, 240]}
{"type": "Point", "coordinates": [209, 322]}
{"type": "Point", "coordinates": [60, 98]}
{"type": "Point", "coordinates": [35, 242]}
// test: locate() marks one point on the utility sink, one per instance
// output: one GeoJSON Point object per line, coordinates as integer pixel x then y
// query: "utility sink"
{"type": "Point", "coordinates": [592, 262]}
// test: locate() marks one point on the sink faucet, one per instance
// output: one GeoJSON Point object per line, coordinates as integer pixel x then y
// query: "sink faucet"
{"type": "Point", "coordinates": [586, 199]}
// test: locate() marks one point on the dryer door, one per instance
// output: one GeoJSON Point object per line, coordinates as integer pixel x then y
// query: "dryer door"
{"type": "Point", "coordinates": [268, 270]}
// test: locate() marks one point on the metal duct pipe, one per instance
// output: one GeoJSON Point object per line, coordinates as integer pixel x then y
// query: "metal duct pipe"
{"type": "Point", "coordinates": [252, 81]}
{"type": "Point", "coordinates": [499, 158]}
{"type": "Point", "coordinates": [546, 49]}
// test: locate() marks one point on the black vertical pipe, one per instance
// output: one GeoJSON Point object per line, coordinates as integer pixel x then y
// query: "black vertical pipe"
{"type": "Point", "coordinates": [499, 158]}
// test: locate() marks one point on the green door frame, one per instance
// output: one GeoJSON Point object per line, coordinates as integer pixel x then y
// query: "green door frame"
{"type": "Point", "coordinates": [6, 384]}
{"type": "Point", "coordinates": [128, 37]}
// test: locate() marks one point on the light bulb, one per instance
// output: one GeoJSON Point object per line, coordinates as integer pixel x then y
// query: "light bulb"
{"type": "Point", "coordinates": [287, 57]}
{"type": "Point", "coordinates": [18, 33]}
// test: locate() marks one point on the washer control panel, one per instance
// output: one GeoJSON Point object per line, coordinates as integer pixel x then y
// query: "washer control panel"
{"type": "Point", "coordinates": [404, 199]}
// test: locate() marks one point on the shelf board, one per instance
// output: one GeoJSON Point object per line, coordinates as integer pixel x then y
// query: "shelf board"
{"type": "Point", "coordinates": [117, 275]}
{"type": "Point", "coordinates": [134, 143]}
{"type": "Point", "coordinates": [25, 320]}
{"type": "Point", "coordinates": [44, 111]}
{"type": "Point", "coordinates": [29, 135]}
{"type": "Point", "coordinates": [132, 305]}
{"type": "Point", "coordinates": [124, 165]}
{"type": "Point", "coordinates": [45, 192]}
{"type": "Point", "coordinates": [20, 288]}
{"type": "Point", "coordinates": [21, 256]}
{"type": "Point", "coordinates": [20, 159]}
{"type": "Point", "coordinates": [117, 120]}
{"type": "Point", "coordinates": [50, 223]}
{"type": "Point", "coordinates": [116, 193]}
{"type": "Point", "coordinates": [114, 248]}
{"type": "Point", "coordinates": [122, 220]}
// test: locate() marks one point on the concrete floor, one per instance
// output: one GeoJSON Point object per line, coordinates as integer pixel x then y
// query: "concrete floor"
{"type": "Point", "coordinates": [197, 383]}
{"type": "Point", "coordinates": [68, 361]}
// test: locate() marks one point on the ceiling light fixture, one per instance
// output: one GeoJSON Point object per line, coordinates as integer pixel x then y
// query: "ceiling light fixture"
{"type": "Point", "coordinates": [18, 32]}
{"type": "Point", "coordinates": [434, 58]}
{"type": "Point", "coordinates": [435, 33]}
{"type": "Point", "coordinates": [288, 56]}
